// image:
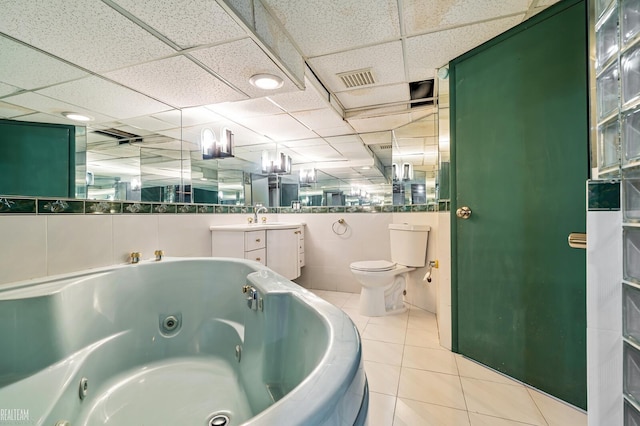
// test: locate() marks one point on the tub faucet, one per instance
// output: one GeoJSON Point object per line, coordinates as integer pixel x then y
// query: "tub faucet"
{"type": "Point", "coordinates": [257, 209]}
{"type": "Point", "coordinates": [253, 300]}
{"type": "Point", "coordinates": [135, 257]}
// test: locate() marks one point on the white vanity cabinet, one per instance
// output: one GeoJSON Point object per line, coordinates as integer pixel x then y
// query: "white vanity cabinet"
{"type": "Point", "coordinates": [278, 246]}
{"type": "Point", "coordinates": [249, 245]}
{"type": "Point", "coordinates": [283, 248]}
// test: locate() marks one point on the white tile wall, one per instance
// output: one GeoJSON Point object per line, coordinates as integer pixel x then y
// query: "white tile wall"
{"type": "Point", "coordinates": [78, 242]}
{"type": "Point", "coordinates": [23, 251]}
{"type": "Point", "coordinates": [134, 233]}
{"type": "Point", "coordinates": [48, 245]}
{"type": "Point", "coordinates": [604, 313]}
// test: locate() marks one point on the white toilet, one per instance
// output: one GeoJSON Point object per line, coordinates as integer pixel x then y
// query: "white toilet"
{"type": "Point", "coordinates": [384, 282]}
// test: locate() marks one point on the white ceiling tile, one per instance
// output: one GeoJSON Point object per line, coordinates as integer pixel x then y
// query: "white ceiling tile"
{"type": "Point", "coordinates": [176, 81]}
{"type": "Point", "coordinates": [385, 60]}
{"type": "Point", "coordinates": [52, 106]}
{"type": "Point", "coordinates": [345, 129]}
{"type": "Point", "coordinates": [428, 15]}
{"type": "Point", "coordinates": [281, 127]}
{"type": "Point", "coordinates": [199, 115]}
{"type": "Point", "coordinates": [245, 109]}
{"type": "Point", "coordinates": [95, 37]}
{"type": "Point", "coordinates": [376, 124]}
{"type": "Point", "coordinates": [301, 100]}
{"type": "Point", "coordinates": [344, 139]}
{"type": "Point", "coordinates": [105, 97]}
{"type": "Point", "coordinates": [9, 110]}
{"type": "Point", "coordinates": [374, 95]}
{"type": "Point", "coordinates": [305, 143]}
{"type": "Point", "coordinates": [431, 51]}
{"type": "Point", "coordinates": [209, 22]}
{"type": "Point", "coordinates": [319, 118]}
{"type": "Point", "coordinates": [376, 138]}
{"type": "Point", "coordinates": [319, 153]}
{"type": "Point", "coordinates": [336, 25]}
{"type": "Point", "coordinates": [24, 67]}
{"type": "Point", "coordinates": [230, 62]}
{"type": "Point", "coordinates": [172, 116]}
{"type": "Point", "coordinates": [149, 123]}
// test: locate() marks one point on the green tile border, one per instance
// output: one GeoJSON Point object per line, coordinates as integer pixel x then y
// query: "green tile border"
{"type": "Point", "coordinates": [102, 207]}
{"type": "Point", "coordinates": [17, 206]}
{"type": "Point", "coordinates": [50, 206]}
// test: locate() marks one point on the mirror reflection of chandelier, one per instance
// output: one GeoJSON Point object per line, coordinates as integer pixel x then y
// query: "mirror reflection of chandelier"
{"type": "Point", "coordinates": [404, 173]}
{"type": "Point", "coordinates": [280, 164]}
{"type": "Point", "coordinates": [308, 175]}
{"type": "Point", "coordinates": [213, 148]}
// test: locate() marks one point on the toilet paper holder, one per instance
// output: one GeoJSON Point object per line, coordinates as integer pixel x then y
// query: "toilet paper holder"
{"type": "Point", "coordinates": [430, 265]}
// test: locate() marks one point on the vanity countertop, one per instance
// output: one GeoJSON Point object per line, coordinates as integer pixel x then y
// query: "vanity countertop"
{"type": "Point", "coordinates": [242, 227]}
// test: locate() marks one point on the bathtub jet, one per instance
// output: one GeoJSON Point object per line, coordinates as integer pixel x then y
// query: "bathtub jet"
{"type": "Point", "coordinates": [175, 342]}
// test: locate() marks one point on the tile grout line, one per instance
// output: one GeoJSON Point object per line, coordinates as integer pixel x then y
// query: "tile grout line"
{"type": "Point", "coordinates": [536, 405]}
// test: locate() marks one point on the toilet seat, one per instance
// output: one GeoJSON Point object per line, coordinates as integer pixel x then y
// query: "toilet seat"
{"type": "Point", "coordinates": [373, 266]}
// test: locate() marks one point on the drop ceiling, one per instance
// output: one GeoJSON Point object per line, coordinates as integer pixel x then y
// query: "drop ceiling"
{"type": "Point", "coordinates": [165, 70]}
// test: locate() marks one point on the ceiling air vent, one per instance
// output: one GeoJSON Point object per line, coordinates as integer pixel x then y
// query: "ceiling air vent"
{"type": "Point", "coordinates": [421, 93]}
{"type": "Point", "coordinates": [122, 136]}
{"type": "Point", "coordinates": [357, 78]}
{"type": "Point", "coordinates": [384, 146]}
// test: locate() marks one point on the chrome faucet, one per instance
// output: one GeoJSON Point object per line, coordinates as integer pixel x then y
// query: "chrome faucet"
{"type": "Point", "coordinates": [257, 209]}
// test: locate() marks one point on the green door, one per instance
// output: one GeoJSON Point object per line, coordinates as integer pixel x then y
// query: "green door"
{"type": "Point", "coordinates": [520, 152]}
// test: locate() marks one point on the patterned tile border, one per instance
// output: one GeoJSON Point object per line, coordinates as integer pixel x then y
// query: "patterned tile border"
{"type": "Point", "coordinates": [22, 205]}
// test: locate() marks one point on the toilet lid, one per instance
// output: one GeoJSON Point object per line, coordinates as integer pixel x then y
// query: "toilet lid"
{"type": "Point", "coordinates": [373, 265]}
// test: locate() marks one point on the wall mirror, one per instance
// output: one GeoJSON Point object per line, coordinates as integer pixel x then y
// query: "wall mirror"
{"type": "Point", "coordinates": [126, 163]}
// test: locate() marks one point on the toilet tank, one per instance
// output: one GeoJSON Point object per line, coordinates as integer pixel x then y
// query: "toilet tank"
{"type": "Point", "coordinates": [409, 244]}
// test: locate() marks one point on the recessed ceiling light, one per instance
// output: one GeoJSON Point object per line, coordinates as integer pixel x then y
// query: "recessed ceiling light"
{"type": "Point", "coordinates": [76, 117]}
{"type": "Point", "coordinates": [266, 81]}
{"type": "Point", "coordinates": [366, 168]}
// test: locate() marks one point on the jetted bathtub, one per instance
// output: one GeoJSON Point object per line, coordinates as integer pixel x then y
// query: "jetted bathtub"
{"type": "Point", "coordinates": [177, 342]}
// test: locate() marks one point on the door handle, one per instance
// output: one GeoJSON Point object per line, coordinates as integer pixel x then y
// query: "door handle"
{"type": "Point", "coordinates": [463, 212]}
{"type": "Point", "coordinates": [577, 240]}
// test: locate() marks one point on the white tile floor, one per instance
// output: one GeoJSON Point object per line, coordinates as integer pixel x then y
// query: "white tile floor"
{"type": "Point", "coordinates": [413, 381]}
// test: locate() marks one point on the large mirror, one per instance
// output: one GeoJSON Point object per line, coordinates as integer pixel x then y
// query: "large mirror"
{"type": "Point", "coordinates": [118, 164]}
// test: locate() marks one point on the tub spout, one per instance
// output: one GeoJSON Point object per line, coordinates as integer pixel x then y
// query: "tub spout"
{"type": "Point", "coordinates": [252, 299]}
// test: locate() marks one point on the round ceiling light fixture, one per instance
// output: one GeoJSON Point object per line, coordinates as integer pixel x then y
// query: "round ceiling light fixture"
{"type": "Point", "coordinates": [76, 117]}
{"type": "Point", "coordinates": [266, 81]}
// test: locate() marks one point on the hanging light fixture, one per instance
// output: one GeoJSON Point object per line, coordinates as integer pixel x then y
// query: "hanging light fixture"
{"type": "Point", "coordinates": [212, 148]}
{"type": "Point", "coordinates": [308, 175]}
{"type": "Point", "coordinates": [407, 171]}
{"type": "Point", "coordinates": [280, 164]}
